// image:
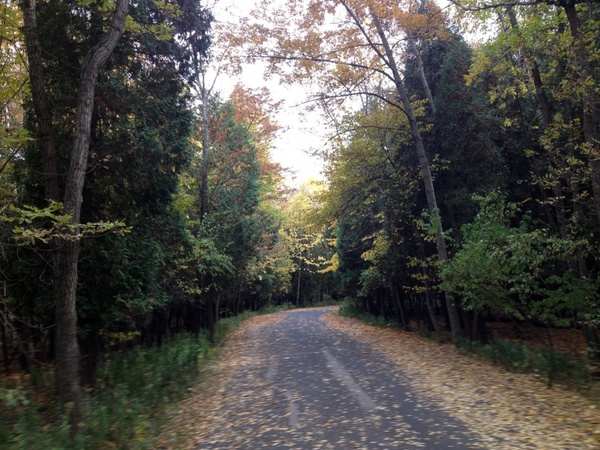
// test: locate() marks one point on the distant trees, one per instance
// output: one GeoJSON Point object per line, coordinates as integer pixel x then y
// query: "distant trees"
{"type": "Point", "coordinates": [359, 56]}
{"type": "Point", "coordinates": [514, 115]}
{"type": "Point", "coordinates": [461, 181]}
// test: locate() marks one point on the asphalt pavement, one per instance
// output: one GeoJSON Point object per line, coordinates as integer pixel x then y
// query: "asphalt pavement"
{"type": "Point", "coordinates": [303, 385]}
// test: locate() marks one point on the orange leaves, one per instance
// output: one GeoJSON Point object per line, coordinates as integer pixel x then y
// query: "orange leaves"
{"type": "Point", "coordinates": [312, 40]}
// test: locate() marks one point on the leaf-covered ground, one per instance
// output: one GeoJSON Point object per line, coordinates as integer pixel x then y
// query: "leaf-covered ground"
{"type": "Point", "coordinates": [514, 409]}
{"type": "Point", "coordinates": [197, 416]}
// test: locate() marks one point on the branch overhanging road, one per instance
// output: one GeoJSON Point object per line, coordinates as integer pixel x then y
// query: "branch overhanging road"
{"type": "Point", "coordinates": [304, 385]}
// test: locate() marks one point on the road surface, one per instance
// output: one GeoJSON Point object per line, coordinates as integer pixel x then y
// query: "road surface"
{"type": "Point", "coordinates": [304, 385]}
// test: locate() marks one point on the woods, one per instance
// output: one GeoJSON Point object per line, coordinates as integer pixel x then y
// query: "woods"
{"type": "Point", "coordinates": [460, 186]}
{"type": "Point", "coordinates": [484, 124]}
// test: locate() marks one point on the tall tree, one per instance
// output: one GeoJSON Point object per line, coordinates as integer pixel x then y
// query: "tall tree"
{"type": "Point", "coordinates": [66, 262]}
{"type": "Point", "coordinates": [584, 69]}
{"type": "Point", "coordinates": [358, 56]}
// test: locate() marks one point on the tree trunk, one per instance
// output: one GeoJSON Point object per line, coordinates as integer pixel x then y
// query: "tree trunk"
{"type": "Point", "coordinates": [5, 340]}
{"type": "Point", "coordinates": [546, 120]}
{"type": "Point", "coordinates": [425, 171]}
{"type": "Point", "coordinates": [210, 317]}
{"type": "Point", "coordinates": [298, 286]}
{"type": "Point", "coordinates": [67, 350]}
{"type": "Point", "coordinates": [421, 67]}
{"type": "Point", "coordinates": [591, 101]}
{"type": "Point", "coordinates": [41, 105]}
{"type": "Point", "coordinates": [205, 147]}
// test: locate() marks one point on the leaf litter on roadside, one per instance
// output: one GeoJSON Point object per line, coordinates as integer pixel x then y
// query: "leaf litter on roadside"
{"type": "Point", "coordinates": [509, 411]}
{"type": "Point", "coordinates": [515, 409]}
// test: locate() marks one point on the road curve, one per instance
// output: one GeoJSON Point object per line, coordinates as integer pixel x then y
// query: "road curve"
{"type": "Point", "coordinates": [303, 385]}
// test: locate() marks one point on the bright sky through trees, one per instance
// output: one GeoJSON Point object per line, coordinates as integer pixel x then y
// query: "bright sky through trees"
{"type": "Point", "coordinates": [302, 131]}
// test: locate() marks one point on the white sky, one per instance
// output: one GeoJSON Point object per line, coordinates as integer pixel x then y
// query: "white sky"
{"type": "Point", "coordinates": [301, 132]}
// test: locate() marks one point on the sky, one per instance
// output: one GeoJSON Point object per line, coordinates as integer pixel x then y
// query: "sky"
{"type": "Point", "coordinates": [301, 132]}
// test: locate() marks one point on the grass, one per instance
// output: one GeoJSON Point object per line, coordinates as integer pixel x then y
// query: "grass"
{"type": "Point", "coordinates": [349, 308]}
{"type": "Point", "coordinates": [550, 366]}
{"type": "Point", "coordinates": [128, 405]}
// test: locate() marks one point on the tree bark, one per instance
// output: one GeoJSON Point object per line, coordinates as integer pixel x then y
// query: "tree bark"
{"type": "Point", "coordinates": [425, 171]}
{"type": "Point", "coordinates": [421, 67]}
{"type": "Point", "coordinates": [205, 139]}
{"type": "Point", "coordinates": [298, 286]}
{"type": "Point", "coordinates": [41, 104]}
{"type": "Point", "coordinates": [67, 350]}
{"type": "Point", "coordinates": [591, 101]}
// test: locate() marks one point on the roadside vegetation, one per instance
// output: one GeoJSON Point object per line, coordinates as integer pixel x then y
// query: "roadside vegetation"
{"type": "Point", "coordinates": [140, 210]}
{"type": "Point", "coordinates": [134, 392]}
{"type": "Point", "coordinates": [511, 350]}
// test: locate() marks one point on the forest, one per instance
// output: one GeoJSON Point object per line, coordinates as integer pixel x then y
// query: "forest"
{"type": "Point", "coordinates": [141, 210]}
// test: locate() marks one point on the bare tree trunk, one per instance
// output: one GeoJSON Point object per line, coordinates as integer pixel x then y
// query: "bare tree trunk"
{"type": "Point", "coordinates": [298, 287]}
{"type": "Point", "coordinates": [5, 339]}
{"type": "Point", "coordinates": [205, 145]}
{"type": "Point", "coordinates": [41, 105]}
{"type": "Point", "coordinates": [210, 316]}
{"type": "Point", "coordinates": [429, 302]}
{"type": "Point", "coordinates": [67, 350]}
{"type": "Point", "coordinates": [425, 171]}
{"type": "Point", "coordinates": [421, 67]}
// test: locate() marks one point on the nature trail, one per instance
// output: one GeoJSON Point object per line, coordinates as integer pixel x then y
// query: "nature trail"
{"type": "Point", "coordinates": [310, 379]}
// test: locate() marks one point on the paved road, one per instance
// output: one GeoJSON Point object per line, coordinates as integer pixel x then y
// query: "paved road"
{"type": "Point", "coordinates": [303, 385]}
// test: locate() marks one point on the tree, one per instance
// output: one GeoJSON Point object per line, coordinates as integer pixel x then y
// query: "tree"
{"type": "Point", "coordinates": [67, 351]}
{"type": "Point", "coordinates": [243, 193]}
{"type": "Point", "coordinates": [517, 271]}
{"type": "Point", "coordinates": [374, 204]}
{"type": "Point", "coordinates": [463, 129]}
{"type": "Point", "coordinates": [357, 56]}
{"type": "Point", "coordinates": [533, 69]}
{"type": "Point", "coordinates": [306, 242]}
{"type": "Point", "coordinates": [583, 71]}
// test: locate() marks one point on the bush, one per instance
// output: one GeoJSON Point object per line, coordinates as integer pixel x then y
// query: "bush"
{"type": "Point", "coordinates": [550, 365]}
{"type": "Point", "coordinates": [131, 391]}
{"type": "Point", "coordinates": [350, 308]}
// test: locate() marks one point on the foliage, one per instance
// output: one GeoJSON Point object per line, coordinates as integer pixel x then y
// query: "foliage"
{"type": "Point", "coordinates": [516, 270]}
{"type": "Point", "coordinates": [30, 226]}
{"type": "Point", "coordinates": [243, 254]}
{"type": "Point", "coordinates": [310, 254]}
{"type": "Point", "coordinates": [350, 308]}
{"type": "Point", "coordinates": [514, 357]}
{"type": "Point", "coordinates": [132, 391]}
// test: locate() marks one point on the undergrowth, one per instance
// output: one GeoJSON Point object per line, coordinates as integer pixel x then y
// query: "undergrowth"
{"type": "Point", "coordinates": [550, 366]}
{"type": "Point", "coordinates": [349, 308]}
{"type": "Point", "coordinates": [128, 404]}
{"type": "Point", "coordinates": [546, 363]}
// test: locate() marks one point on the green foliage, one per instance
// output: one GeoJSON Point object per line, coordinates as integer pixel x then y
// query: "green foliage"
{"type": "Point", "coordinates": [351, 308]}
{"type": "Point", "coordinates": [33, 224]}
{"type": "Point", "coordinates": [132, 391]}
{"type": "Point", "coordinates": [13, 398]}
{"type": "Point", "coordinates": [129, 403]}
{"type": "Point", "coordinates": [549, 365]}
{"type": "Point", "coordinates": [464, 133]}
{"type": "Point", "coordinates": [516, 270]}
